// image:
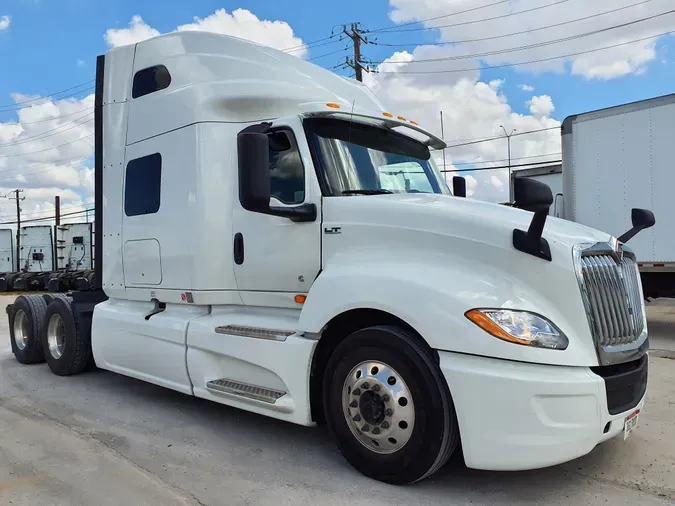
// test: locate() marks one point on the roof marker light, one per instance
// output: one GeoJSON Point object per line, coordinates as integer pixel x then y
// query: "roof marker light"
{"type": "Point", "coordinates": [414, 123]}
{"type": "Point", "coordinates": [333, 105]}
{"type": "Point", "coordinates": [387, 114]}
{"type": "Point", "coordinates": [401, 118]}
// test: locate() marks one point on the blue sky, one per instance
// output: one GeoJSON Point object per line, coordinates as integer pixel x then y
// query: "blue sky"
{"type": "Point", "coordinates": [51, 45]}
{"type": "Point", "coordinates": [47, 37]}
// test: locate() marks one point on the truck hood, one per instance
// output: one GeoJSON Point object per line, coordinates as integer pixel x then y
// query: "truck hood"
{"type": "Point", "coordinates": [460, 217]}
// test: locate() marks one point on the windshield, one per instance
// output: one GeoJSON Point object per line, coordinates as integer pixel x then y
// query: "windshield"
{"type": "Point", "coordinates": [358, 158]}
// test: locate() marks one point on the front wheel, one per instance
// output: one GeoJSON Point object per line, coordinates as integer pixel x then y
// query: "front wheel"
{"type": "Point", "coordinates": [388, 407]}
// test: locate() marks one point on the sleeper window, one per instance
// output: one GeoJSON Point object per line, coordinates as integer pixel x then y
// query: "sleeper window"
{"type": "Point", "coordinates": [287, 174]}
{"type": "Point", "coordinates": [142, 188]}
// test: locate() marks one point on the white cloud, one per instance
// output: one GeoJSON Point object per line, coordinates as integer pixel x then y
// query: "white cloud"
{"type": "Point", "coordinates": [495, 30]}
{"type": "Point", "coordinates": [240, 23]}
{"type": "Point", "coordinates": [472, 110]}
{"type": "Point", "coordinates": [137, 31]}
{"type": "Point", "coordinates": [4, 22]}
{"type": "Point", "coordinates": [526, 88]}
{"type": "Point", "coordinates": [46, 151]}
{"type": "Point", "coordinates": [541, 106]}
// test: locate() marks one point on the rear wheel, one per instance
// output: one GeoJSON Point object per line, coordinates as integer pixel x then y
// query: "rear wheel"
{"type": "Point", "coordinates": [25, 328]}
{"type": "Point", "coordinates": [388, 407]}
{"type": "Point", "coordinates": [66, 347]}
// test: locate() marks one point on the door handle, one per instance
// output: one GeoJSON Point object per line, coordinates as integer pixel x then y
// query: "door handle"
{"type": "Point", "coordinates": [238, 248]}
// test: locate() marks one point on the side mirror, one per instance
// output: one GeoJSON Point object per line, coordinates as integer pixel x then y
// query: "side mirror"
{"type": "Point", "coordinates": [254, 171]}
{"type": "Point", "coordinates": [532, 195]}
{"type": "Point", "coordinates": [459, 186]}
{"type": "Point", "coordinates": [642, 219]}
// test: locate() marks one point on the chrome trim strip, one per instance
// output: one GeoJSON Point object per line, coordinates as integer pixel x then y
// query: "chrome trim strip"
{"type": "Point", "coordinates": [237, 388]}
{"type": "Point", "coordinates": [254, 332]}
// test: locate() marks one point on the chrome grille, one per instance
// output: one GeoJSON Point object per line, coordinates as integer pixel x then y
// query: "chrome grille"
{"type": "Point", "coordinates": [613, 298]}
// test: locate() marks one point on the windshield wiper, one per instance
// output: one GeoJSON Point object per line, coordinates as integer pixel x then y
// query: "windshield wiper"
{"type": "Point", "coordinates": [366, 192]}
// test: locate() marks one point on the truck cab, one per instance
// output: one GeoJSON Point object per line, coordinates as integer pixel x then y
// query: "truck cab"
{"type": "Point", "coordinates": [270, 237]}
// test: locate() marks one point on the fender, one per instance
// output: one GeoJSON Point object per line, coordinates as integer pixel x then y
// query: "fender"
{"type": "Point", "coordinates": [432, 295]}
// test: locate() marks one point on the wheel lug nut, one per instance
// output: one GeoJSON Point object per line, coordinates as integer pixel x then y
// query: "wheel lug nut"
{"type": "Point", "coordinates": [385, 425]}
{"type": "Point", "coordinates": [353, 404]}
{"type": "Point", "coordinates": [356, 391]}
{"type": "Point", "coordinates": [389, 412]}
{"type": "Point", "coordinates": [376, 388]}
{"type": "Point", "coordinates": [376, 431]}
{"type": "Point", "coordinates": [357, 418]}
{"type": "Point", "coordinates": [385, 398]}
{"type": "Point", "coordinates": [365, 428]}
{"type": "Point", "coordinates": [365, 385]}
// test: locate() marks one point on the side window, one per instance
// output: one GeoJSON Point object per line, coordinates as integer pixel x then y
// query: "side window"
{"type": "Point", "coordinates": [287, 174]}
{"type": "Point", "coordinates": [142, 186]}
{"type": "Point", "coordinates": [149, 80]}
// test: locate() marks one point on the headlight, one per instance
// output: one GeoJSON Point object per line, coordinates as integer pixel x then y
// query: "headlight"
{"type": "Point", "coordinates": [520, 327]}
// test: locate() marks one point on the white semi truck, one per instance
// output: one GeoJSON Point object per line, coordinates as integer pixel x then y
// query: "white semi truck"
{"type": "Point", "coordinates": [619, 158]}
{"type": "Point", "coordinates": [270, 237]}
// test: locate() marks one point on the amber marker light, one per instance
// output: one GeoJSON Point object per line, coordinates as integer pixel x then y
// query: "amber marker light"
{"type": "Point", "coordinates": [333, 105]}
{"type": "Point", "coordinates": [300, 299]}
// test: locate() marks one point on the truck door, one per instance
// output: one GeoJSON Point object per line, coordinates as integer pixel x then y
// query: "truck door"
{"type": "Point", "coordinates": [272, 253]}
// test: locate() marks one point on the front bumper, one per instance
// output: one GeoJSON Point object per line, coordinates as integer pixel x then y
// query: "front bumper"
{"type": "Point", "coordinates": [517, 416]}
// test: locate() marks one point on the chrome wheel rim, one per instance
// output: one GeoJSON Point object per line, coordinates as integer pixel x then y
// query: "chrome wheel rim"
{"type": "Point", "coordinates": [378, 407]}
{"type": "Point", "coordinates": [56, 336]}
{"type": "Point", "coordinates": [20, 329]}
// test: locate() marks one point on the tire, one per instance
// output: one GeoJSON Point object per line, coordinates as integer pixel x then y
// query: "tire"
{"type": "Point", "coordinates": [407, 448]}
{"type": "Point", "coordinates": [66, 348]}
{"type": "Point", "coordinates": [25, 328]}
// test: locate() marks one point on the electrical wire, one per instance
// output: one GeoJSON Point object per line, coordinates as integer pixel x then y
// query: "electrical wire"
{"type": "Point", "coordinates": [469, 142]}
{"type": "Point", "coordinates": [51, 132]}
{"type": "Point", "coordinates": [532, 46]}
{"type": "Point", "coordinates": [53, 118]}
{"type": "Point", "coordinates": [540, 60]}
{"type": "Point", "coordinates": [506, 159]}
{"type": "Point", "coordinates": [533, 164]}
{"type": "Point", "coordinates": [47, 149]}
{"type": "Point", "coordinates": [522, 32]}
{"type": "Point", "coordinates": [456, 13]}
{"type": "Point", "coordinates": [540, 7]}
{"type": "Point", "coordinates": [36, 101]}
{"type": "Point", "coordinates": [83, 211]}
{"type": "Point", "coordinates": [327, 54]}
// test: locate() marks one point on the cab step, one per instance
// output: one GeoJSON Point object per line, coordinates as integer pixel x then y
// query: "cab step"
{"type": "Point", "coordinates": [226, 386]}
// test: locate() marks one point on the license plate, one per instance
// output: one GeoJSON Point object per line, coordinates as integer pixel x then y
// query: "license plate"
{"type": "Point", "coordinates": [630, 423]}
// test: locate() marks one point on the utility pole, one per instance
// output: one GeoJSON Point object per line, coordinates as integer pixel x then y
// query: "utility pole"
{"type": "Point", "coordinates": [508, 140]}
{"type": "Point", "coordinates": [18, 199]}
{"type": "Point", "coordinates": [355, 33]}
{"type": "Point", "coordinates": [57, 210]}
{"type": "Point", "coordinates": [445, 167]}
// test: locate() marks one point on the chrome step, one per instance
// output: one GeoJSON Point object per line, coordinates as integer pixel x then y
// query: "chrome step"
{"type": "Point", "coordinates": [226, 386]}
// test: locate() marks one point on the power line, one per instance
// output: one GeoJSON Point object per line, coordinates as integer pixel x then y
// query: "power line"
{"type": "Point", "coordinates": [540, 60]}
{"type": "Point", "coordinates": [533, 46]}
{"type": "Point", "coordinates": [506, 159]}
{"type": "Point", "coordinates": [49, 217]}
{"type": "Point", "coordinates": [540, 7]}
{"type": "Point", "coordinates": [522, 32]}
{"type": "Point", "coordinates": [469, 142]}
{"type": "Point", "coordinates": [47, 149]}
{"type": "Point", "coordinates": [42, 135]}
{"type": "Point", "coordinates": [53, 118]}
{"type": "Point", "coordinates": [37, 101]}
{"type": "Point", "coordinates": [327, 54]}
{"type": "Point", "coordinates": [478, 169]}
{"type": "Point", "coordinates": [456, 13]}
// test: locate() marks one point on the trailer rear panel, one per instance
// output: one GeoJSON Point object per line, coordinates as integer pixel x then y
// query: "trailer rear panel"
{"type": "Point", "coordinates": [621, 158]}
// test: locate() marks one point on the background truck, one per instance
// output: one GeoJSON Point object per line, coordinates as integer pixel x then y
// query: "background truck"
{"type": "Point", "coordinates": [618, 158]}
{"type": "Point", "coordinates": [550, 175]}
{"type": "Point", "coordinates": [270, 237]}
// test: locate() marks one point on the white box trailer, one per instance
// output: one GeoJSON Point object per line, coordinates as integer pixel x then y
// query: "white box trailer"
{"type": "Point", "coordinates": [550, 175]}
{"type": "Point", "coordinates": [37, 249]}
{"type": "Point", "coordinates": [7, 251]}
{"type": "Point", "coordinates": [74, 247]}
{"type": "Point", "coordinates": [621, 158]}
